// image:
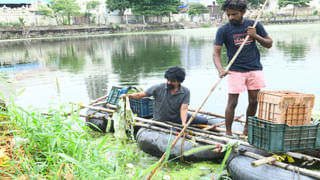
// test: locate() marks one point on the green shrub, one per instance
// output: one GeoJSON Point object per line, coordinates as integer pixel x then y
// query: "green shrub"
{"type": "Point", "coordinates": [205, 25]}
{"type": "Point", "coordinates": [22, 21]}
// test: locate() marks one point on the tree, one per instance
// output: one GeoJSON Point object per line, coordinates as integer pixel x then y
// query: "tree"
{"type": "Point", "coordinates": [220, 2]}
{"type": "Point", "coordinates": [252, 4]}
{"type": "Point", "coordinates": [66, 8]}
{"type": "Point", "coordinates": [196, 9]}
{"type": "Point", "coordinates": [296, 4]}
{"type": "Point", "coordinates": [155, 7]}
{"type": "Point", "coordinates": [45, 11]}
{"type": "Point", "coordinates": [90, 6]}
{"type": "Point", "coordinates": [120, 5]}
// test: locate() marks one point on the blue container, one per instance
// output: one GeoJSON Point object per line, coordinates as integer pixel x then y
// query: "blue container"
{"type": "Point", "coordinates": [142, 107]}
{"type": "Point", "coordinates": [123, 91]}
{"type": "Point", "coordinates": [113, 97]}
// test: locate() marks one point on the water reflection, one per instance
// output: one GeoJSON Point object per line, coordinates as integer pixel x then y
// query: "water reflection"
{"type": "Point", "coordinates": [296, 50]}
{"type": "Point", "coordinates": [139, 57]}
{"type": "Point", "coordinates": [68, 58]}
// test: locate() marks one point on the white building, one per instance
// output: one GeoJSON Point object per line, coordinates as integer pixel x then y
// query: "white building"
{"type": "Point", "coordinates": [273, 7]}
{"type": "Point", "coordinates": [204, 2]}
{"type": "Point", "coordinates": [101, 9]}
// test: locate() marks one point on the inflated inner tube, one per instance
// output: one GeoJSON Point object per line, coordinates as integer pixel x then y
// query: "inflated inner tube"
{"type": "Point", "coordinates": [155, 143]}
{"type": "Point", "coordinates": [100, 123]}
{"type": "Point", "coordinates": [240, 168]}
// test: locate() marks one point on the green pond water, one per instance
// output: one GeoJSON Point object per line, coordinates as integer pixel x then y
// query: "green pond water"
{"type": "Point", "coordinates": [82, 69]}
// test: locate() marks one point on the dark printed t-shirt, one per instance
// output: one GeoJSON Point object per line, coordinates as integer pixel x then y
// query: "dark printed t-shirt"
{"type": "Point", "coordinates": [167, 106]}
{"type": "Point", "coordinates": [233, 36]}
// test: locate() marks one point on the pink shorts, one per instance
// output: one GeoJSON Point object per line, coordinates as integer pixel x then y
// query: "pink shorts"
{"type": "Point", "coordinates": [240, 81]}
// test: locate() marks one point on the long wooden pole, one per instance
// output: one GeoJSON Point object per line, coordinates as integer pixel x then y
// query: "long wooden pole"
{"type": "Point", "coordinates": [92, 102]}
{"type": "Point", "coordinates": [196, 138]}
{"type": "Point", "coordinates": [94, 108]}
{"type": "Point", "coordinates": [236, 118]}
{"type": "Point", "coordinates": [211, 90]}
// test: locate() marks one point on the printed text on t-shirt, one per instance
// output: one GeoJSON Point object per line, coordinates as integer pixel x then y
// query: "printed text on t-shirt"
{"type": "Point", "coordinates": [239, 38]}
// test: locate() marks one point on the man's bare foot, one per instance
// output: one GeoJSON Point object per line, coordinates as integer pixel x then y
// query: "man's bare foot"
{"type": "Point", "coordinates": [229, 133]}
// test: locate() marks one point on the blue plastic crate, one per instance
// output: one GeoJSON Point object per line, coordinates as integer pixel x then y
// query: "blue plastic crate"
{"type": "Point", "coordinates": [114, 94]}
{"type": "Point", "coordinates": [142, 107]}
{"type": "Point", "coordinates": [281, 137]}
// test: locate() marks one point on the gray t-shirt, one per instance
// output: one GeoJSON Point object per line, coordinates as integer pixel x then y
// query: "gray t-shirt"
{"type": "Point", "coordinates": [166, 106]}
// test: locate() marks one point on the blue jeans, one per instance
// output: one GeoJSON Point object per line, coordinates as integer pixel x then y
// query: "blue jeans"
{"type": "Point", "coordinates": [197, 120]}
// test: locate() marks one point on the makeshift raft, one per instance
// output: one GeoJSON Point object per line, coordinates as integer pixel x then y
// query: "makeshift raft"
{"type": "Point", "coordinates": [153, 139]}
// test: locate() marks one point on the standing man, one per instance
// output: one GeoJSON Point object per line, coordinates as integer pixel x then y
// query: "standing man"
{"type": "Point", "coordinates": [246, 71]}
{"type": "Point", "coordinates": [171, 99]}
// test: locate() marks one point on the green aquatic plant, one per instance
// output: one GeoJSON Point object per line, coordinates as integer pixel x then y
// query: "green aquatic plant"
{"type": "Point", "coordinates": [227, 148]}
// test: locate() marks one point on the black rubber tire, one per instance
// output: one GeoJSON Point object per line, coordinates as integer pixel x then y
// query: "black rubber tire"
{"type": "Point", "coordinates": [239, 168]}
{"type": "Point", "coordinates": [98, 124]}
{"type": "Point", "coordinates": [155, 143]}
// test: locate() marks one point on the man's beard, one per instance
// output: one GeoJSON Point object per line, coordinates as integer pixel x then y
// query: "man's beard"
{"type": "Point", "coordinates": [236, 22]}
{"type": "Point", "coordinates": [170, 86]}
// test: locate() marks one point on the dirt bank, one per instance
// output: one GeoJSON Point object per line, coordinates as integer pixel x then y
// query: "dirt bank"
{"type": "Point", "coordinates": [75, 30]}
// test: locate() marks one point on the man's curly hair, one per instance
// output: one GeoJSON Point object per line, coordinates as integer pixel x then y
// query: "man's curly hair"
{"type": "Point", "coordinates": [175, 74]}
{"type": "Point", "coordinates": [240, 5]}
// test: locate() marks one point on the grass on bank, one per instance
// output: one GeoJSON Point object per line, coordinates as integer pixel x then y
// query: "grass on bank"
{"type": "Point", "coordinates": [53, 149]}
{"type": "Point", "coordinates": [63, 147]}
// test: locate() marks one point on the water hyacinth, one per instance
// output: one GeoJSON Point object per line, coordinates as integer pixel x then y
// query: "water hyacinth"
{"type": "Point", "coordinates": [119, 118]}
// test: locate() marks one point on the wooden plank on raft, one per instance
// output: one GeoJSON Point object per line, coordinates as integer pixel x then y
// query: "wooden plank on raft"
{"type": "Point", "coordinates": [265, 160]}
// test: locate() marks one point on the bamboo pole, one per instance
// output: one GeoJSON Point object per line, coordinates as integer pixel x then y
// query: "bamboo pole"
{"type": "Point", "coordinates": [196, 138]}
{"type": "Point", "coordinates": [218, 129]}
{"type": "Point", "coordinates": [303, 156]}
{"type": "Point", "coordinates": [92, 116]}
{"type": "Point", "coordinates": [216, 138]}
{"type": "Point", "coordinates": [195, 129]}
{"type": "Point", "coordinates": [265, 160]}
{"type": "Point", "coordinates": [69, 113]}
{"type": "Point", "coordinates": [214, 126]}
{"type": "Point", "coordinates": [236, 118]}
{"type": "Point", "coordinates": [207, 113]}
{"type": "Point", "coordinates": [112, 106]}
{"type": "Point", "coordinates": [142, 119]}
{"type": "Point", "coordinates": [211, 90]}
{"type": "Point", "coordinates": [98, 104]}
{"type": "Point", "coordinates": [94, 108]}
{"type": "Point", "coordinates": [92, 102]}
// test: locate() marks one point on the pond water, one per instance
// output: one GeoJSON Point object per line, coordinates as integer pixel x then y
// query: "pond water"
{"type": "Point", "coordinates": [84, 68]}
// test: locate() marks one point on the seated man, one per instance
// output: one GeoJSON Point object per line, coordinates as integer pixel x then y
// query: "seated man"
{"type": "Point", "coordinates": [171, 99]}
